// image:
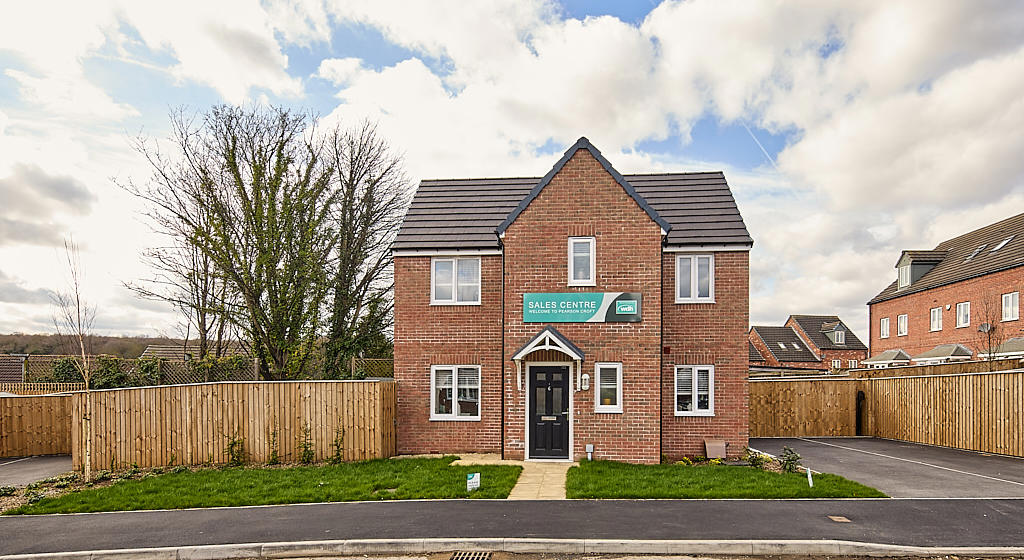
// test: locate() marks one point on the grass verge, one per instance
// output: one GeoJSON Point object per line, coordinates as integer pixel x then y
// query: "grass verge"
{"type": "Point", "coordinates": [609, 479]}
{"type": "Point", "coordinates": [381, 479]}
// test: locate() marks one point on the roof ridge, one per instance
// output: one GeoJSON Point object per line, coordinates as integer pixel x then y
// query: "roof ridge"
{"type": "Point", "coordinates": [581, 144]}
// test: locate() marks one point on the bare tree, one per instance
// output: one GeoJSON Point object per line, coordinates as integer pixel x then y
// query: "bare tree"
{"type": "Point", "coordinates": [371, 193]}
{"type": "Point", "coordinates": [991, 330]}
{"type": "Point", "coordinates": [73, 319]}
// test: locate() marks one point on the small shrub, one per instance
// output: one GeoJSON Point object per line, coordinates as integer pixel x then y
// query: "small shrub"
{"type": "Point", "coordinates": [179, 469]}
{"type": "Point", "coordinates": [66, 370]}
{"type": "Point", "coordinates": [789, 459]}
{"type": "Point", "coordinates": [131, 472]}
{"type": "Point", "coordinates": [698, 459]}
{"type": "Point", "coordinates": [306, 452]}
{"type": "Point", "coordinates": [34, 497]}
{"type": "Point", "coordinates": [715, 462]}
{"type": "Point", "coordinates": [157, 470]}
{"type": "Point", "coordinates": [684, 461]}
{"type": "Point", "coordinates": [756, 459]}
{"type": "Point", "coordinates": [236, 451]}
{"type": "Point", "coordinates": [339, 446]}
{"type": "Point", "coordinates": [275, 458]}
{"type": "Point", "coordinates": [101, 476]}
{"type": "Point", "coordinates": [7, 490]}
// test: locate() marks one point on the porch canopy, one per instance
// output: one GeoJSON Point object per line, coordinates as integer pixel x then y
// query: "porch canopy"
{"type": "Point", "coordinates": [548, 339]}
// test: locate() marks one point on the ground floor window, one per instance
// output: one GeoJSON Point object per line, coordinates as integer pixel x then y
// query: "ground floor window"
{"type": "Point", "coordinates": [852, 364]}
{"type": "Point", "coordinates": [836, 364]}
{"type": "Point", "coordinates": [455, 393]}
{"type": "Point", "coordinates": [695, 390]}
{"type": "Point", "coordinates": [609, 387]}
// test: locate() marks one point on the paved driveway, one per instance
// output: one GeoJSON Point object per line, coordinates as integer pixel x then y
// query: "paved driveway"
{"type": "Point", "coordinates": [20, 471]}
{"type": "Point", "coordinates": [907, 470]}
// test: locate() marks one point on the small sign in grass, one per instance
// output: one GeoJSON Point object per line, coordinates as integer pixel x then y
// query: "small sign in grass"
{"type": "Point", "coordinates": [609, 479]}
{"type": "Point", "coordinates": [381, 479]}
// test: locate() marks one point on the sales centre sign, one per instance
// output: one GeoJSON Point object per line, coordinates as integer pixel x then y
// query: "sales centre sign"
{"type": "Point", "coordinates": [582, 307]}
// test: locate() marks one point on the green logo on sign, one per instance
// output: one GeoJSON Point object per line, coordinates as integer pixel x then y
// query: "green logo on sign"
{"type": "Point", "coordinates": [625, 307]}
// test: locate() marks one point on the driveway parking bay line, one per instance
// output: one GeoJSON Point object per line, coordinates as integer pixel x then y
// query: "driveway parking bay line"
{"type": "Point", "coordinates": [911, 461]}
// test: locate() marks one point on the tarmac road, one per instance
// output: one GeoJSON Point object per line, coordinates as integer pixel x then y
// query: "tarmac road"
{"type": "Point", "coordinates": [914, 522]}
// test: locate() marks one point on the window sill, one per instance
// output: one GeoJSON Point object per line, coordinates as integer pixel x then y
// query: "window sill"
{"type": "Point", "coordinates": [962, 326]}
{"type": "Point", "coordinates": [452, 303]}
{"type": "Point", "coordinates": [607, 411]}
{"type": "Point", "coordinates": [685, 301]}
{"type": "Point", "coordinates": [934, 330]}
{"type": "Point", "coordinates": [899, 335]}
{"type": "Point", "coordinates": [704, 413]}
{"type": "Point", "coordinates": [1009, 320]}
{"type": "Point", "coordinates": [454, 419]}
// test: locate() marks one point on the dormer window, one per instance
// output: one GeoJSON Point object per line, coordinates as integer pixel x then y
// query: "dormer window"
{"type": "Point", "coordinates": [904, 279]}
{"type": "Point", "coordinates": [839, 337]}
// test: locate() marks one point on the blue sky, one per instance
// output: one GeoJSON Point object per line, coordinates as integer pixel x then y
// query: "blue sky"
{"type": "Point", "coordinates": [848, 132]}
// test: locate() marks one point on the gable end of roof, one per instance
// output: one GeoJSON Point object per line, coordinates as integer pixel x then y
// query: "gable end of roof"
{"type": "Point", "coordinates": [582, 144]}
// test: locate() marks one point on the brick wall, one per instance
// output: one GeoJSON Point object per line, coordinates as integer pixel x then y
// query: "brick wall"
{"type": "Point", "coordinates": [700, 334]}
{"type": "Point", "coordinates": [982, 291]}
{"type": "Point", "coordinates": [584, 200]}
{"type": "Point", "coordinates": [428, 335]}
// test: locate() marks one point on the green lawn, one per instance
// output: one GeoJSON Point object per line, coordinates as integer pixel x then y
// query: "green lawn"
{"type": "Point", "coordinates": [608, 479]}
{"type": "Point", "coordinates": [382, 479]}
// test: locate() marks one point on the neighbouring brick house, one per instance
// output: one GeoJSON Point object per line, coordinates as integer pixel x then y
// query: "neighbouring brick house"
{"type": "Point", "coordinates": [945, 299]}
{"type": "Point", "coordinates": [584, 310]}
{"type": "Point", "coordinates": [806, 342]}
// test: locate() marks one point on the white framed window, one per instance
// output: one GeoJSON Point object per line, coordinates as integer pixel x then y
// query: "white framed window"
{"type": "Point", "coordinates": [582, 260]}
{"type": "Point", "coordinates": [695, 390]}
{"type": "Point", "coordinates": [904, 279]}
{"type": "Point", "coordinates": [695, 279]}
{"type": "Point", "coordinates": [851, 364]}
{"type": "Point", "coordinates": [840, 337]}
{"type": "Point", "coordinates": [883, 328]}
{"type": "Point", "coordinates": [836, 364]}
{"type": "Point", "coordinates": [963, 314]}
{"type": "Point", "coordinates": [782, 345]}
{"type": "Point", "coordinates": [455, 393]}
{"type": "Point", "coordinates": [608, 380]}
{"type": "Point", "coordinates": [455, 281]}
{"type": "Point", "coordinates": [1011, 306]}
{"type": "Point", "coordinates": [935, 319]}
{"type": "Point", "coordinates": [901, 325]}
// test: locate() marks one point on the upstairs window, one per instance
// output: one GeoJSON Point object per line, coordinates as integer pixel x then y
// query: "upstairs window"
{"type": "Point", "coordinates": [581, 261]}
{"type": "Point", "coordinates": [963, 314]}
{"type": "Point", "coordinates": [836, 364]}
{"type": "Point", "coordinates": [904, 280]}
{"type": "Point", "coordinates": [782, 345]}
{"type": "Point", "coordinates": [883, 328]}
{"type": "Point", "coordinates": [455, 281]}
{"type": "Point", "coordinates": [851, 364]}
{"type": "Point", "coordinates": [935, 319]}
{"type": "Point", "coordinates": [1002, 244]}
{"type": "Point", "coordinates": [901, 325]}
{"type": "Point", "coordinates": [609, 387]}
{"type": "Point", "coordinates": [695, 390]}
{"type": "Point", "coordinates": [975, 253]}
{"type": "Point", "coordinates": [839, 337]}
{"type": "Point", "coordinates": [695, 279]}
{"type": "Point", "coordinates": [1011, 306]}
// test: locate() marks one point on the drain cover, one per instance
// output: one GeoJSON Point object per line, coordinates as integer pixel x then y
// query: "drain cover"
{"type": "Point", "coordinates": [839, 518]}
{"type": "Point", "coordinates": [466, 555]}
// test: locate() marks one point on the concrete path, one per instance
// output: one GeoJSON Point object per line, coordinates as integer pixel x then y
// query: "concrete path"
{"type": "Point", "coordinates": [541, 481]}
{"type": "Point", "coordinates": [913, 522]}
{"type": "Point", "coordinates": [21, 471]}
{"type": "Point", "coordinates": [908, 470]}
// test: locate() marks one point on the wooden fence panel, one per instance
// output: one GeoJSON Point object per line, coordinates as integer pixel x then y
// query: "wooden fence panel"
{"type": "Point", "coordinates": [975, 411]}
{"type": "Point", "coordinates": [35, 425]}
{"type": "Point", "coordinates": [192, 424]}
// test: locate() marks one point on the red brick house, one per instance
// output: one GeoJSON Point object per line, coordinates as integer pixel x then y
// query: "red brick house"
{"type": "Point", "coordinates": [816, 343]}
{"type": "Point", "coordinates": [954, 302]}
{"type": "Point", "coordinates": [542, 318]}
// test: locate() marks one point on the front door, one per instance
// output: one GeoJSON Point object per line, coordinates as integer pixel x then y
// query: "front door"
{"type": "Point", "coordinates": [549, 412]}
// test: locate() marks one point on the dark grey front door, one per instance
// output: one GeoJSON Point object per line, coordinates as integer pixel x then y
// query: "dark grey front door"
{"type": "Point", "coordinates": [549, 412]}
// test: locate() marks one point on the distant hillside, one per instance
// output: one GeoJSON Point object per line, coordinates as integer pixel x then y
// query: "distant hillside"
{"type": "Point", "coordinates": [121, 346]}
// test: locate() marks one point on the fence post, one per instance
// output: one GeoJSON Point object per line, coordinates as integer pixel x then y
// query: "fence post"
{"type": "Point", "coordinates": [352, 368]}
